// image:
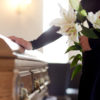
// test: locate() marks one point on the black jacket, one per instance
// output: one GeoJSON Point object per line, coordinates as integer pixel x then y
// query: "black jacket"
{"type": "Point", "coordinates": [90, 80]}
{"type": "Point", "coordinates": [46, 37]}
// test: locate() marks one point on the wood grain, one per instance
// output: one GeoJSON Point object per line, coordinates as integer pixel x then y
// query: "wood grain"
{"type": "Point", "coordinates": [6, 85]}
{"type": "Point", "coordinates": [18, 73]}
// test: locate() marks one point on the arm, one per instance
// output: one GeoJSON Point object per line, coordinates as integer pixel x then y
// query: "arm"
{"type": "Point", "coordinates": [46, 37]}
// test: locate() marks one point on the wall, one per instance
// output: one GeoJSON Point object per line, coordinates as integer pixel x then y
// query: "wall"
{"type": "Point", "coordinates": [27, 24]}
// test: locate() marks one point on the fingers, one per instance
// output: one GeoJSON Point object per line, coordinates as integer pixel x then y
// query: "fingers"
{"type": "Point", "coordinates": [23, 43]}
{"type": "Point", "coordinates": [13, 38]}
{"type": "Point", "coordinates": [19, 41]}
{"type": "Point", "coordinates": [21, 50]}
{"type": "Point", "coordinates": [84, 43]}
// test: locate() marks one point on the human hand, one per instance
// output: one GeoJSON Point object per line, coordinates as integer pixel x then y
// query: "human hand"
{"type": "Point", "coordinates": [84, 43]}
{"type": "Point", "coordinates": [23, 43]}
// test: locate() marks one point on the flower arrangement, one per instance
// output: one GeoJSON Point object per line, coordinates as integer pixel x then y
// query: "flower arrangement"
{"type": "Point", "coordinates": [75, 23]}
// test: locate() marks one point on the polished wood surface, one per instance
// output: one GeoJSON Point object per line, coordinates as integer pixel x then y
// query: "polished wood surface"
{"type": "Point", "coordinates": [21, 77]}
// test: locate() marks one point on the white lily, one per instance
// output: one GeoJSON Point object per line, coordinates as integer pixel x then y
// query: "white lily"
{"type": "Point", "coordinates": [67, 23]}
{"type": "Point", "coordinates": [67, 17]}
{"type": "Point", "coordinates": [74, 32]}
{"type": "Point", "coordinates": [94, 19]}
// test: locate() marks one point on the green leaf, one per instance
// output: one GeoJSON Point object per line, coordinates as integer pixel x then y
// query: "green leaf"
{"type": "Point", "coordinates": [76, 46]}
{"type": "Point", "coordinates": [75, 4]}
{"type": "Point", "coordinates": [98, 30]}
{"type": "Point", "coordinates": [89, 33]}
{"type": "Point", "coordinates": [71, 48]}
{"type": "Point", "coordinates": [76, 71]}
{"type": "Point", "coordinates": [76, 58]}
{"type": "Point", "coordinates": [71, 57]}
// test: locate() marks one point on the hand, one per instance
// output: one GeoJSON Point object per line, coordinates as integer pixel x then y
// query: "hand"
{"type": "Point", "coordinates": [23, 43]}
{"type": "Point", "coordinates": [84, 43]}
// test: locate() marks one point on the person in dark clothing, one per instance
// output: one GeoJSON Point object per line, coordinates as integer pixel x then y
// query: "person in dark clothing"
{"type": "Point", "coordinates": [45, 38]}
{"type": "Point", "coordinates": [90, 79]}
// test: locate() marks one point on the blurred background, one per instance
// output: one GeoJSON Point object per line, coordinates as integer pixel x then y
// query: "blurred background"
{"type": "Point", "coordinates": [28, 19]}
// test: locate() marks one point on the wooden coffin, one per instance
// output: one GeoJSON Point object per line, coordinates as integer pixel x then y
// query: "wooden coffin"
{"type": "Point", "coordinates": [21, 77]}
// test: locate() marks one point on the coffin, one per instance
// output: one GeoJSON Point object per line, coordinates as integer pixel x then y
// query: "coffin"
{"type": "Point", "coordinates": [22, 77]}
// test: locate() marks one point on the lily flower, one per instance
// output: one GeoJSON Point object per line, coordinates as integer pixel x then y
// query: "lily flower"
{"type": "Point", "coordinates": [94, 19]}
{"type": "Point", "coordinates": [67, 23]}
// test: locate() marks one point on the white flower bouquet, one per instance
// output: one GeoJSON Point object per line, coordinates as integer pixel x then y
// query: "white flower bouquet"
{"type": "Point", "coordinates": [72, 24]}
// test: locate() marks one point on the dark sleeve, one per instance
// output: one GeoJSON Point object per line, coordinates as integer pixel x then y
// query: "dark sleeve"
{"type": "Point", "coordinates": [94, 43]}
{"type": "Point", "coordinates": [46, 37]}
